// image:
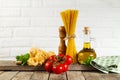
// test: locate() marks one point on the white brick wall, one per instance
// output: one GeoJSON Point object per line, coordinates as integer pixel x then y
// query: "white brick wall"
{"type": "Point", "coordinates": [28, 23]}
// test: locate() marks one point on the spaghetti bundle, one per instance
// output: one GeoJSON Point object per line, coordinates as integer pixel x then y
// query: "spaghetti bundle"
{"type": "Point", "coordinates": [69, 18]}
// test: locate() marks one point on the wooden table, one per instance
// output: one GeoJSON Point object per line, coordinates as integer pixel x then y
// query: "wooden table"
{"type": "Point", "coordinates": [10, 71]}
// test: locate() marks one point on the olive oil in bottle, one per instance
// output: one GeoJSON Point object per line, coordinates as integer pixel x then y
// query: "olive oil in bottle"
{"type": "Point", "coordinates": [87, 53]}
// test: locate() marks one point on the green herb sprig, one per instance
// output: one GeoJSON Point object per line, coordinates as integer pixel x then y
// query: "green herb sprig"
{"type": "Point", "coordinates": [23, 58]}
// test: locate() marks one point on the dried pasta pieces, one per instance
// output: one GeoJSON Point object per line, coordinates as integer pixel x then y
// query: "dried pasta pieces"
{"type": "Point", "coordinates": [32, 61]}
{"type": "Point", "coordinates": [38, 57]}
{"type": "Point", "coordinates": [33, 52]}
{"type": "Point", "coordinates": [69, 18]}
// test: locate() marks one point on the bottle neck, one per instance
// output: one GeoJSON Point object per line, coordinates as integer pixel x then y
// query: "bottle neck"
{"type": "Point", "coordinates": [87, 43]}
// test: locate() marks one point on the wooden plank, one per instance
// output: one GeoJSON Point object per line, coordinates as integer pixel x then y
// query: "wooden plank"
{"type": "Point", "coordinates": [75, 75]}
{"type": "Point", "coordinates": [101, 76]}
{"type": "Point", "coordinates": [42, 75]}
{"type": "Point", "coordinates": [21, 68]}
{"type": "Point", "coordinates": [23, 76]}
{"type": "Point", "coordinates": [7, 63]}
{"type": "Point", "coordinates": [110, 76]}
{"type": "Point", "coordinates": [80, 67]}
{"type": "Point", "coordinates": [54, 76]}
{"type": "Point", "coordinates": [10, 65]}
{"type": "Point", "coordinates": [1, 72]}
{"type": "Point", "coordinates": [93, 76]}
{"type": "Point", "coordinates": [8, 75]}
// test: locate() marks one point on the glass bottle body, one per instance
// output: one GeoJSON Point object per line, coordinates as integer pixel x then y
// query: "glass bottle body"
{"type": "Point", "coordinates": [87, 52]}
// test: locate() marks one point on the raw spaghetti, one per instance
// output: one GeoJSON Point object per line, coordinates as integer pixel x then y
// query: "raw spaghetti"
{"type": "Point", "coordinates": [69, 18]}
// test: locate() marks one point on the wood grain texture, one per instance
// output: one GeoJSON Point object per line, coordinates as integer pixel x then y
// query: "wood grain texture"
{"type": "Point", "coordinates": [80, 67]}
{"type": "Point", "coordinates": [71, 75]}
{"type": "Point", "coordinates": [1, 72]}
{"type": "Point", "coordinates": [92, 76]}
{"type": "Point", "coordinates": [101, 76]}
{"type": "Point", "coordinates": [111, 76]}
{"type": "Point", "coordinates": [8, 75]}
{"type": "Point", "coordinates": [75, 75]}
{"type": "Point", "coordinates": [10, 65]}
{"type": "Point", "coordinates": [42, 75]}
{"type": "Point", "coordinates": [54, 76]}
{"type": "Point", "coordinates": [23, 76]}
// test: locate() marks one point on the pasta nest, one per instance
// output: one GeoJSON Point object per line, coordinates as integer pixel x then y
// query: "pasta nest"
{"type": "Point", "coordinates": [38, 56]}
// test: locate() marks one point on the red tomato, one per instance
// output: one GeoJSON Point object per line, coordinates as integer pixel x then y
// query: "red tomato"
{"type": "Point", "coordinates": [58, 64]}
{"type": "Point", "coordinates": [65, 67]}
{"type": "Point", "coordinates": [58, 69]}
{"type": "Point", "coordinates": [61, 55]}
{"type": "Point", "coordinates": [68, 59]}
{"type": "Point", "coordinates": [48, 66]}
{"type": "Point", "coordinates": [54, 68]}
{"type": "Point", "coordinates": [52, 58]}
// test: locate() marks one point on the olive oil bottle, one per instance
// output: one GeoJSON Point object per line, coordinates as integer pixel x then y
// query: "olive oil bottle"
{"type": "Point", "coordinates": [87, 53]}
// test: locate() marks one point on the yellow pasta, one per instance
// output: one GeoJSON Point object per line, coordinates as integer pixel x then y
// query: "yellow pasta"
{"type": "Point", "coordinates": [38, 56]}
{"type": "Point", "coordinates": [69, 18]}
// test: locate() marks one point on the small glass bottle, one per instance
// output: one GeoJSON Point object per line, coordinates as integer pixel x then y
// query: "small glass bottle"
{"type": "Point", "coordinates": [87, 52]}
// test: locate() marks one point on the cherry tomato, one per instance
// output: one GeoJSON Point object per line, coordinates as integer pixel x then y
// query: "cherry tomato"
{"type": "Point", "coordinates": [54, 68]}
{"type": "Point", "coordinates": [65, 67]}
{"type": "Point", "coordinates": [58, 64]}
{"type": "Point", "coordinates": [48, 66]}
{"type": "Point", "coordinates": [68, 59]}
{"type": "Point", "coordinates": [61, 55]}
{"type": "Point", "coordinates": [53, 58]}
{"type": "Point", "coordinates": [58, 69]}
